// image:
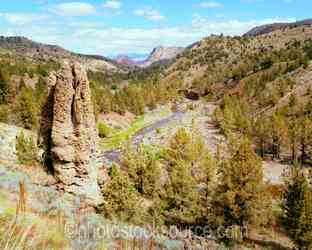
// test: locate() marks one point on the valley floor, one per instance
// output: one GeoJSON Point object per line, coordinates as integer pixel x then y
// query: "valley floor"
{"type": "Point", "coordinates": [44, 204]}
{"type": "Point", "coordinates": [157, 126]}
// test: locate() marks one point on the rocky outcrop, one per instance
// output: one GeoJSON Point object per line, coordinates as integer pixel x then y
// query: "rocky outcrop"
{"type": "Point", "coordinates": [68, 131]}
{"type": "Point", "coordinates": [161, 55]}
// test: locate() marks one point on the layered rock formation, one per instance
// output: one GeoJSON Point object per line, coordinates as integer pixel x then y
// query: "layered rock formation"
{"type": "Point", "coordinates": [68, 126]}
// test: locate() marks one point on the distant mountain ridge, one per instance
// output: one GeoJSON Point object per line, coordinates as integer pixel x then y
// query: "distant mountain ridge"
{"type": "Point", "coordinates": [159, 55]}
{"type": "Point", "coordinates": [268, 28]}
{"type": "Point", "coordinates": [25, 47]}
{"type": "Point", "coordinates": [125, 60]}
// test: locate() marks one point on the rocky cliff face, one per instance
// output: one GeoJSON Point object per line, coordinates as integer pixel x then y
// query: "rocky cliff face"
{"type": "Point", "coordinates": [68, 126]}
{"type": "Point", "coordinates": [162, 54]}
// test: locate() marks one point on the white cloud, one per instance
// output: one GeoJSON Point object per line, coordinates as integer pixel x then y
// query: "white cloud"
{"type": "Point", "coordinates": [150, 14]}
{"type": "Point", "coordinates": [112, 4]}
{"type": "Point", "coordinates": [96, 38]}
{"type": "Point", "coordinates": [210, 5]}
{"type": "Point", "coordinates": [22, 18]}
{"type": "Point", "coordinates": [73, 9]}
{"type": "Point", "coordinates": [232, 27]}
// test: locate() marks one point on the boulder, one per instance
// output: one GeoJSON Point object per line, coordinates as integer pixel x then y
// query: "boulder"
{"type": "Point", "coordinates": [69, 134]}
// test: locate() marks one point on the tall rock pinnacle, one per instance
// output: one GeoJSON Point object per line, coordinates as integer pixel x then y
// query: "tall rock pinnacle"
{"type": "Point", "coordinates": [73, 133]}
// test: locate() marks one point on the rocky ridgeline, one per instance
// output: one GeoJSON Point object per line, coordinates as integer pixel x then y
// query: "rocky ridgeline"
{"type": "Point", "coordinates": [39, 52]}
{"type": "Point", "coordinates": [68, 131]}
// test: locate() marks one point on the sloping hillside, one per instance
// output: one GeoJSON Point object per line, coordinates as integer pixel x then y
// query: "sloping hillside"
{"type": "Point", "coordinates": [224, 60]}
{"type": "Point", "coordinates": [24, 47]}
{"type": "Point", "coordinates": [264, 29]}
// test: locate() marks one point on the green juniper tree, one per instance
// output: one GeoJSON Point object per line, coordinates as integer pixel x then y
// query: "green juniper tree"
{"type": "Point", "coordinates": [26, 109]}
{"type": "Point", "coordinates": [181, 198]}
{"type": "Point", "coordinates": [4, 87]}
{"type": "Point", "coordinates": [240, 199]}
{"type": "Point", "coordinates": [143, 169]}
{"type": "Point", "coordinates": [297, 208]}
{"type": "Point", "coordinates": [121, 200]}
{"type": "Point", "coordinates": [303, 234]}
{"type": "Point", "coordinates": [27, 151]}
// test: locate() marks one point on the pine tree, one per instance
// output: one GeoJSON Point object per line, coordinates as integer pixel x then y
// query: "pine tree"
{"type": "Point", "coordinates": [261, 134]}
{"type": "Point", "coordinates": [294, 137]}
{"type": "Point", "coordinates": [26, 109]}
{"type": "Point", "coordinates": [4, 87]}
{"type": "Point", "coordinates": [303, 234]}
{"type": "Point", "coordinates": [278, 134]}
{"type": "Point", "coordinates": [207, 176]}
{"type": "Point", "coordinates": [181, 198]}
{"type": "Point", "coordinates": [296, 187]}
{"type": "Point", "coordinates": [184, 146]}
{"type": "Point", "coordinates": [240, 199]}
{"type": "Point", "coordinates": [143, 169]}
{"type": "Point", "coordinates": [179, 147]}
{"type": "Point", "coordinates": [121, 200]}
{"type": "Point", "coordinates": [27, 151]}
{"type": "Point", "coordinates": [305, 136]}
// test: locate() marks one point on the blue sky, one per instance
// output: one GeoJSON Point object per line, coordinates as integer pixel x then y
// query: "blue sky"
{"type": "Point", "coordinates": [112, 27]}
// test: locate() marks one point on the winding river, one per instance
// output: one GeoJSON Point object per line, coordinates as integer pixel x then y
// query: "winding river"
{"type": "Point", "coordinates": [137, 138]}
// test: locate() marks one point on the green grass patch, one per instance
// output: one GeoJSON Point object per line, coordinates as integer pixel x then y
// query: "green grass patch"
{"type": "Point", "coordinates": [5, 52]}
{"type": "Point", "coordinates": [117, 137]}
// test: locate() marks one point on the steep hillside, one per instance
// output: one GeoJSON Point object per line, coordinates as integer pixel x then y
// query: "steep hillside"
{"type": "Point", "coordinates": [219, 61]}
{"type": "Point", "coordinates": [24, 47]}
{"type": "Point", "coordinates": [264, 29]}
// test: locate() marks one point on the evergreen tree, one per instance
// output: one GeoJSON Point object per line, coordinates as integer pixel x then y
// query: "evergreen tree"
{"type": "Point", "coordinates": [278, 133]}
{"type": "Point", "coordinates": [26, 109]}
{"type": "Point", "coordinates": [4, 87]}
{"type": "Point", "coordinates": [26, 149]}
{"type": "Point", "coordinates": [261, 134]}
{"type": "Point", "coordinates": [308, 109]}
{"type": "Point", "coordinates": [208, 177]}
{"type": "Point", "coordinates": [297, 208]}
{"type": "Point", "coordinates": [295, 188]}
{"type": "Point", "coordinates": [179, 147]}
{"type": "Point", "coordinates": [184, 146]}
{"type": "Point", "coordinates": [305, 136]}
{"type": "Point", "coordinates": [143, 169]}
{"type": "Point", "coordinates": [303, 234]}
{"type": "Point", "coordinates": [240, 199]}
{"type": "Point", "coordinates": [121, 200]}
{"type": "Point", "coordinates": [294, 137]}
{"type": "Point", "coordinates": [181, 198]}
